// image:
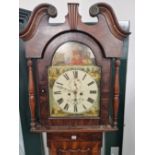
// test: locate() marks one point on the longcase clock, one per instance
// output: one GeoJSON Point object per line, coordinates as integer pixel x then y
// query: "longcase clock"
{"type": "Point", "coordinates": [71, 88]}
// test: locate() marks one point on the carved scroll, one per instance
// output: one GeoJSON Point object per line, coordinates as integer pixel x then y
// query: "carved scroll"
{"type": "Point", "coordinates": [32, 101]}
{"type": "Point", "coordinates": [116, 93]}
{"type": "Point", "coordinates": [52, 11]}
{"type": "Point", "coordinates": [94, 10]}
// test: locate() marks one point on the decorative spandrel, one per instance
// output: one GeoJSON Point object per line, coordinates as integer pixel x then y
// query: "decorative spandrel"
{"type": "Point", "coordinates": [74, 82]}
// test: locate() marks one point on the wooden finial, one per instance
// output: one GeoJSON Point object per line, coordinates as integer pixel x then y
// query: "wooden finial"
{"type": "Point", "coordinates": [73, 15]}
{"type": "Point", "coordinates": [32, 102]}
{"type": "Point", "coordinates": [116, 93]}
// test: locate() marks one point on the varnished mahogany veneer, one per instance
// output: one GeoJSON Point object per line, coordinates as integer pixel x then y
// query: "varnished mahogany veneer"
{"type": "Point", "coordinates": [79, 129]}
{"type": "Point", "coordinates": [85, 143]}
{"type": "Point", "coordinates": [42, 67]}
{"type": "Point", "coordinates": [41, 39]}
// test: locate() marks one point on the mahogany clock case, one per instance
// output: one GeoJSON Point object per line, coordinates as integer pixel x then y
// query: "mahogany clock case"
{"type": "Point", "coordinates": [106, 40]}
{"type": "Point", "coordinates": [41, 39]}
{"type": "Point", "coordinates": [42, 68]}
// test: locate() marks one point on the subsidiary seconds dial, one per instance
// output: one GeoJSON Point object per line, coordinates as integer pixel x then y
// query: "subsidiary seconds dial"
{"type": "Point", "coordinates": [75, 91]}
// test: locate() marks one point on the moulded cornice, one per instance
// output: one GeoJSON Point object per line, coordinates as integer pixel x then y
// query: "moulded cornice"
{"type": "Point", "coordinates": [35, 18]}
{"type": "Point", "coordinates": [106, 10]}
{"type": "Point", "coordinates": [106, 32]}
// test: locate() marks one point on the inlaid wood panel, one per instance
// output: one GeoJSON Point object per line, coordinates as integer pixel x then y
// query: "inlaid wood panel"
{"type": "Point", "coordinates": [75, 148]}
{"type": "Point", "coordinates": [75, 143]}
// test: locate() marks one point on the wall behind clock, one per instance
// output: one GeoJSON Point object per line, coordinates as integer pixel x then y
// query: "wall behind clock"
{"type": "Point", "coordinates": [124, 10]}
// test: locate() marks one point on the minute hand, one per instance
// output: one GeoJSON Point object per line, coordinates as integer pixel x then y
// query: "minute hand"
{"type": "Point", "coordinates": [65, 88]}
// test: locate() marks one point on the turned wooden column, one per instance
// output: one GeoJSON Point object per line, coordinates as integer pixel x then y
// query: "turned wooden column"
{"type": "Point", "coordinates": [116, 93]}
{"type": "Point", "coordinates": [32, 101]}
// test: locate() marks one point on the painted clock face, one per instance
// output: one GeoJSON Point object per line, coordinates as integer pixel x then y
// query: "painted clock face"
{"type": "Point", "coordinates": [74, 82]}
{"type": "Point", "coordinates": [75, 91]}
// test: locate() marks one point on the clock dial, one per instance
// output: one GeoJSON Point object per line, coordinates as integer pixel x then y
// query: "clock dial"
{"type": "Point", "coordinates": [75, 91]}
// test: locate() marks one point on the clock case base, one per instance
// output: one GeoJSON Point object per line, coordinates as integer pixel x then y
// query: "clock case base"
{"type": "Point", "coordinates": [74, 143]}
{"type": "Point", "coordinates": [70, 140]}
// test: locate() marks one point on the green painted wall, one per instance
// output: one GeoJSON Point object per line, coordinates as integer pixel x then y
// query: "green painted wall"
{"type": "Point", "coordinates": [33, 142]}
{"type": "Point", "coordinates": [116, 138]}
